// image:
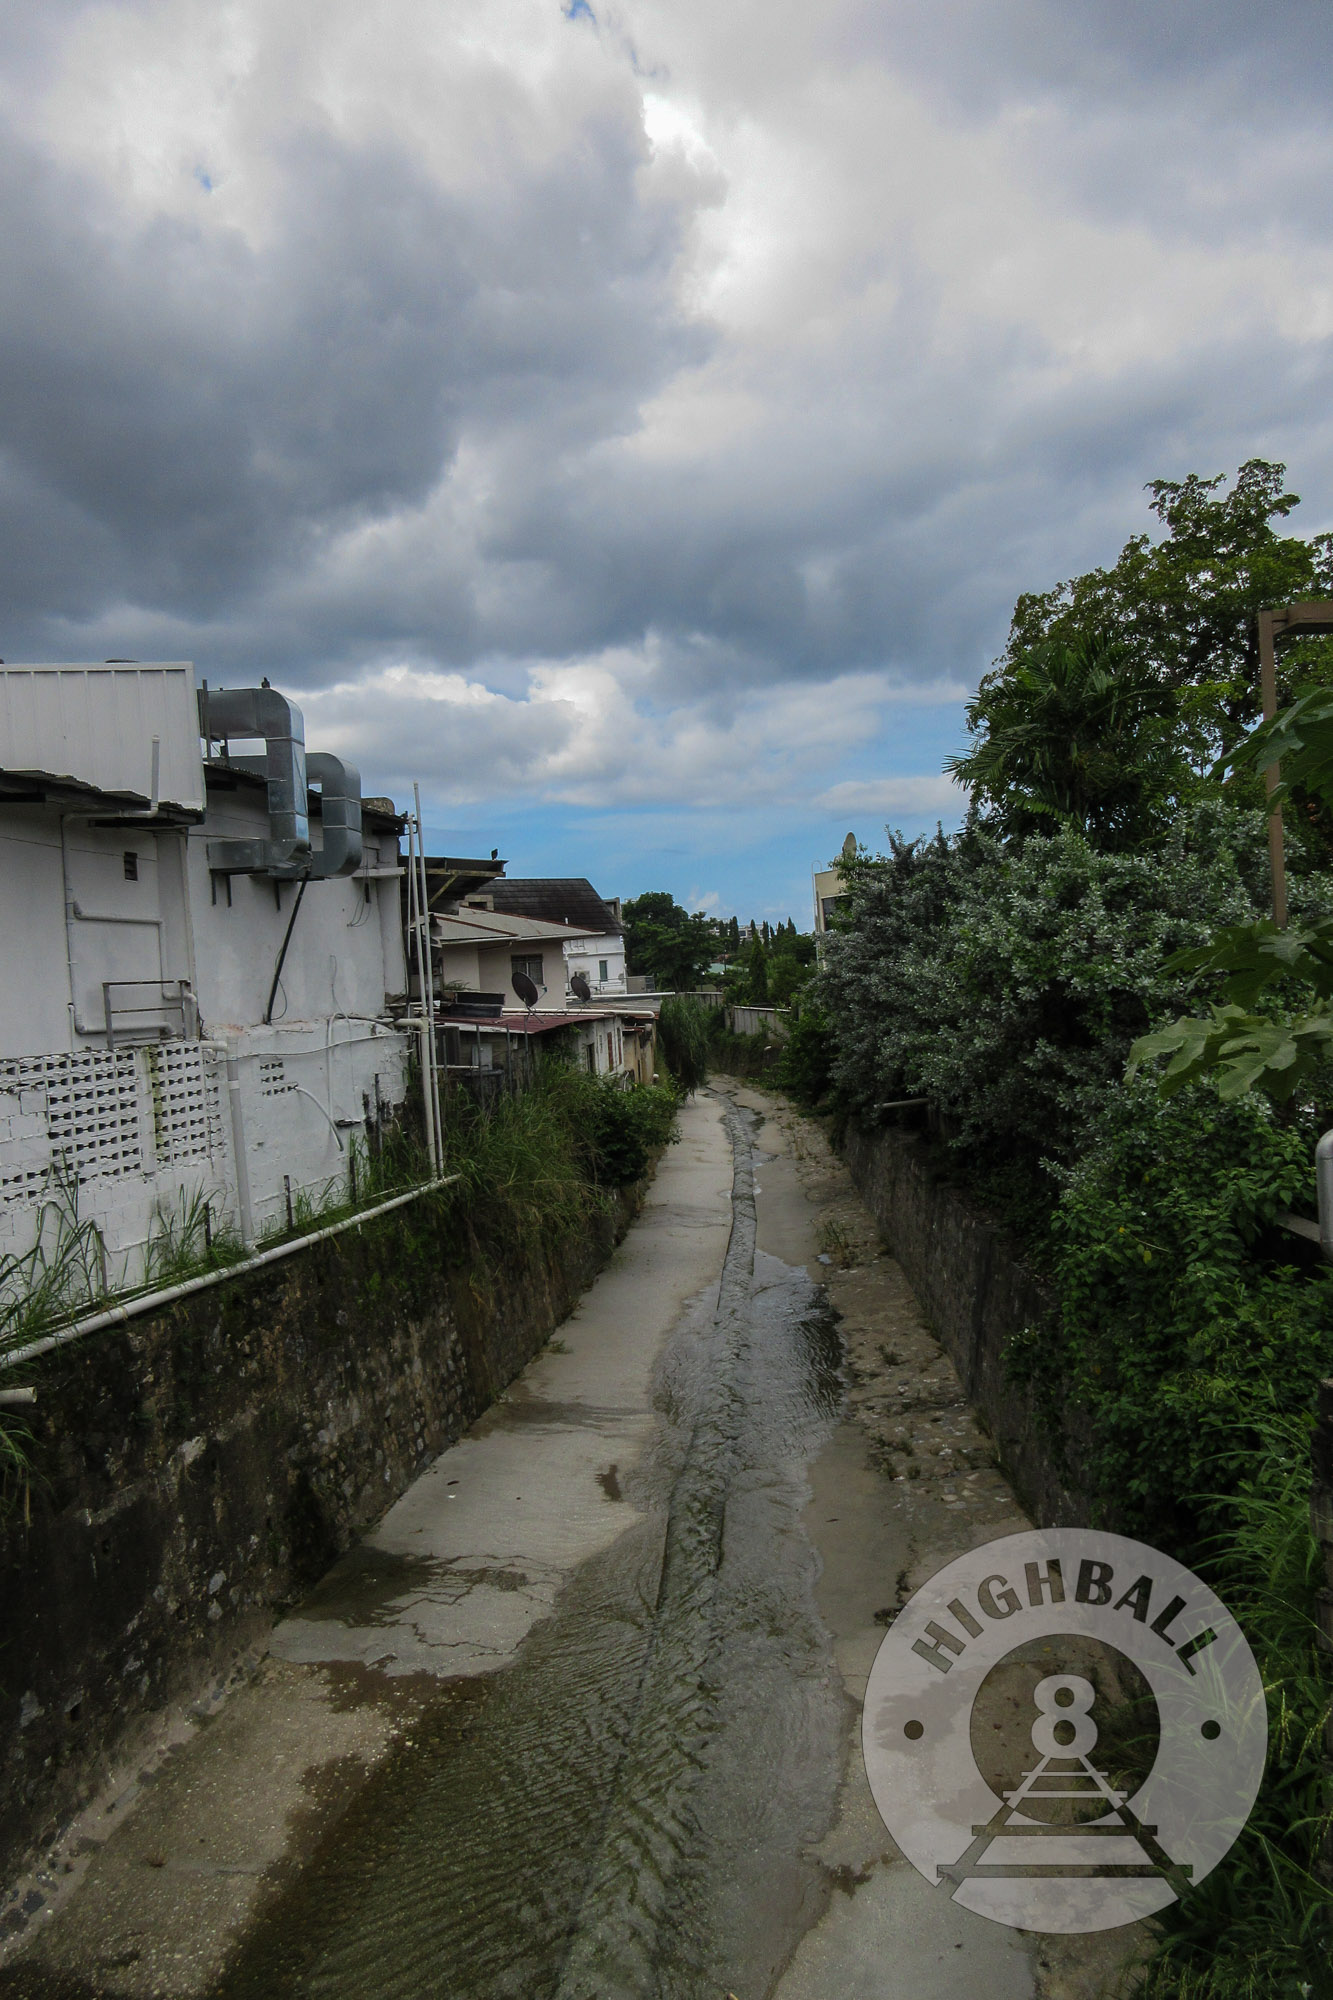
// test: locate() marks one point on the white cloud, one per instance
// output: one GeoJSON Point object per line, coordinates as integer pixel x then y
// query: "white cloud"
{"type": "Point", "coordinates": [925, 794]}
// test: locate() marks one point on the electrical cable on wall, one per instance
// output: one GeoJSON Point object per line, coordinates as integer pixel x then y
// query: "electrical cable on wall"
{"type": "Point", "coordinates": [282, 955]}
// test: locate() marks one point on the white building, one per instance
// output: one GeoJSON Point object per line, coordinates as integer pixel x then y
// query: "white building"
{"type": "Point", "coordinates": [200, 949]}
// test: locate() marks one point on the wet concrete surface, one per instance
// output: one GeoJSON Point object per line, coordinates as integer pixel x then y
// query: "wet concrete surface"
{"type": "Point", "coordinates": [579, 1718]}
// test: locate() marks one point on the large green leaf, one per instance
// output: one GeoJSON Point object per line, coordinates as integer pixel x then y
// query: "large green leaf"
{"type": "Point", "coordinates": [1300, 741]}
{"type": "Point", "coordinates": [1241, 1051]}
{"type": "Point", "coordinates": [1253, 956]}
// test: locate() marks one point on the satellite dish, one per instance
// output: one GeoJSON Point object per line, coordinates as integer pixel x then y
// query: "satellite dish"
{"type": "Point", "coordinates": [579, 986]}
{"type": "Point", "coordinates": [849, 848]}
{"type": "Point", "coordinates": [525, 990]}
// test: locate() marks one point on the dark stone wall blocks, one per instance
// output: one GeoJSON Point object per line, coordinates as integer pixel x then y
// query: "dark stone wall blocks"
{"type": "Point", "coordinates": [197, 1469]}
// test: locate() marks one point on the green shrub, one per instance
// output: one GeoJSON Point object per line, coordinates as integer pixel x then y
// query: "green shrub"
{"type": "Point", "coordinates": [535, 1166]}
{"type": "Point", "coordinates": [620, 1129]}
{"type": "Point", "coordinates": [1182, 1315]}
{"type": "Point", "coordinates": [1007, 983]}
{"type": "Point", "coordinates": [1259, 1924]}
{"type": "Point", "coordinates": [805, 1066]}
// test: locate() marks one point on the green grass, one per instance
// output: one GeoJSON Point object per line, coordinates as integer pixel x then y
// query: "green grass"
{"type": "Point", "coordinates": [186, 1241]}
{"type": "Point", "coordinates": [684, 1032]}
{"type": "Point", "coordinates": [535, 1167]}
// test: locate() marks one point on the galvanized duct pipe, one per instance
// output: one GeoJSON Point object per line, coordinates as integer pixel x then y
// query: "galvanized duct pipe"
{"type": "Point", "coordinates": [248, 713]}
{"type": "Point", "coordinates": [340, 815]}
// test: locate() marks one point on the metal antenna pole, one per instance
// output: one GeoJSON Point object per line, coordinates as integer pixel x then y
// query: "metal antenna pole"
{"type": "Point", "coordinates": [428, 978]}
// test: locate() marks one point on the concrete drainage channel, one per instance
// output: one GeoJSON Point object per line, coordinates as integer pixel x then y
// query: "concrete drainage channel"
{"type": "Point", "coordinates": [578, 1720]}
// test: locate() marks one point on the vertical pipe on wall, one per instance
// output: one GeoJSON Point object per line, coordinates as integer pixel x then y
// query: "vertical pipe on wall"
{"type": "Point", "coordinates": [425, 1027]}
{"type": "Point", "coordinates": [245, 1212]}
{"type": "Point", "coordinates": [423, 904]}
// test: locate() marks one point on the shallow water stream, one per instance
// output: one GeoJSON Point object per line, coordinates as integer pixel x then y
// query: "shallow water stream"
{"type": "Point", "coordinates": [622, 1810]}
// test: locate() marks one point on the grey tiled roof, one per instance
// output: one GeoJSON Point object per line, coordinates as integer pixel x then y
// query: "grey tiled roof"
{"type": "Point", "coordinates": [561, 899]}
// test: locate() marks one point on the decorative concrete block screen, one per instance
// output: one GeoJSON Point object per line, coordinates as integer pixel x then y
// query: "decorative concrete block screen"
{"type": "Point", "coordinates": [111, 1136]}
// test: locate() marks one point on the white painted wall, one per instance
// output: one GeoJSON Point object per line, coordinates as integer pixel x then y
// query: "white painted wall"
{"type": "Point", "coordinates": [343, 956]}
{"type": "Point", "coordinates": [587, 955]}
{"type": "Point", "coordinates": [134, 1133]}
{"type": "Point", "coordinates": [34, 988]}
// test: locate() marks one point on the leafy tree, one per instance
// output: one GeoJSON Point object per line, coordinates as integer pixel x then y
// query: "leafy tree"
{"type": "Point", "coordinates": [664, 942]}
{"type": "Point", "coordinates": [734, 936]}
{"type": "Point", "coordinates": [1080, 731]}
{"type": "Point", "coordinates": [1283, 1047]}
{"type": "Point", "coordinates": [786, 976]}
{"type": "Point", "coordinates": [1184, 606]}
{"type": "Point", "coordinates": [756, 973]}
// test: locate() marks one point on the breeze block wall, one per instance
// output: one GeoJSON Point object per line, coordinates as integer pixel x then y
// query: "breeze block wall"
{"type": "Point", "coordinates": [194, 1470]}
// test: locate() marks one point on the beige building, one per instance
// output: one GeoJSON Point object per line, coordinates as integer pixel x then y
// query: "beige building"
{"type": "Point", "coordinates": [829, 887]}
{"type": "Point", "coordinates": [479, 953]}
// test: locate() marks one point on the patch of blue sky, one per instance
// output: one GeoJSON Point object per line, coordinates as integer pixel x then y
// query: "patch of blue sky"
{"type": "Point", "coordinates": [753, 861]}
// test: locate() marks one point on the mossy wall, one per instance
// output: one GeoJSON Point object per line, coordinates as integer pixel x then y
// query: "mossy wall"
{"type": "Point", "coordinates": [978, 1295]}
{"type": "Point", "coordinates": [194, 1470]}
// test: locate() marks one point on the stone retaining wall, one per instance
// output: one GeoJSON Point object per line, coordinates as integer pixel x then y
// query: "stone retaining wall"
{"type": "Point", "coordinates": [195, 1469]}
{"type": "Point", "coordinates": [977, 1294]}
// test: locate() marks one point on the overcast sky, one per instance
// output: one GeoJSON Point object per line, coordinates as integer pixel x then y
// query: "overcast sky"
{"type": "Point", "coordinates": [636, 422]}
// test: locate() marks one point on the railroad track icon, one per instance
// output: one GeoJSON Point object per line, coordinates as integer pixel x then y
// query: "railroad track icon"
{"type": "Point", "coordinates": [1063, 1737]}
{"type": "Point", "coordinates": [1064, 1730]}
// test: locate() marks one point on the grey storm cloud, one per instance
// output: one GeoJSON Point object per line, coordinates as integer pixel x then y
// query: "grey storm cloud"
{"type": "Point", "coordinates": [185, 416]}
{"type": "Point", "coordinates": [752, 347]}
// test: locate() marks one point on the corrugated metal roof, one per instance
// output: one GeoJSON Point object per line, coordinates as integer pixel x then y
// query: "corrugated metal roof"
{"type": "Point", "coordinates": [95, 724]}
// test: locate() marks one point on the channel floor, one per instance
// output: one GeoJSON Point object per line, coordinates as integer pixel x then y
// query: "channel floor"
{"type": "Point", "coordinates": [580, 1718]}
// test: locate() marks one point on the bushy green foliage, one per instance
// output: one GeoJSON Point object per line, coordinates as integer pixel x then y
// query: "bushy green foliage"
{"type": "Point", "coordinates": [805, 1066]}
{"type": "Point", "coordinates": [1006, 982]}
{"type": "Point", "coordinates": [1258, 1926]}
{"type": "Point", "coordinates": [664, 942]}
{"type": "Point", "coordinates": [1004, 976]}
{"type": "Point", "coordinates": [682, 1036]}
{"type": "Point", "coordinates": [1079, 731]}
{"type": "Point", "coordinates": [1273, 1027]}
{"type": "Point", "coordinates": [1184, 605]}
{"type": "Point", "coordinates": [620, 1128]}
{"type": "Point", "coordinates": [1179, 1321]}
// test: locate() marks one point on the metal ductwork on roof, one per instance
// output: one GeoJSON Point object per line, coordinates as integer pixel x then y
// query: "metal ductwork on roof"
{"type": "Point", "coordinates": [247, 714]}
{"type": "Point", "coordinates": [340, 815]}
